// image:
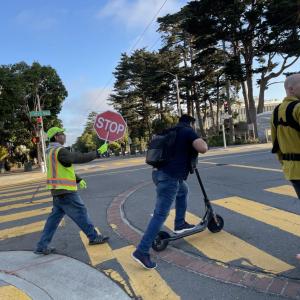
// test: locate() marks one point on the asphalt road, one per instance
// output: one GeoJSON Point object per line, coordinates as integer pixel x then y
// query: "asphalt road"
{"type": "Point", "coordinates": [256, 236]}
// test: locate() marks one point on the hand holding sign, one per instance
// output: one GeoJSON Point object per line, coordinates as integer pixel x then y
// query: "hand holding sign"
{"type": "Point", "coordinates": [103, 148]}
{"type": "Point", "coordinates": [110, 126]}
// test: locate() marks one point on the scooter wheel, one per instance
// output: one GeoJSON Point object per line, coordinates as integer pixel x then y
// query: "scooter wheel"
{"type": "Point", "coordinates": [160, 243]}
{"type": "Point", "coordinates": [214, 226]}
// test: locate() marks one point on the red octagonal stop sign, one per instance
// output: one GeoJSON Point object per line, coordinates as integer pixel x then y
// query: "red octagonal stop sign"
{"type": "Point", "coordinates": [110, 126]}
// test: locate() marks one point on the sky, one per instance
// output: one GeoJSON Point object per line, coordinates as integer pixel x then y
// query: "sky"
{"type": "Point", "coordinates": [83, 41]}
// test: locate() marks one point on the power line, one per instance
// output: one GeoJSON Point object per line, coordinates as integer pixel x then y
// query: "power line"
{"type": "Point", "coordinates": [135, 44]}
{"type": "Point", "coordinates": [147, 27]}
{"type": "Point", "coordinates": [154, 44]}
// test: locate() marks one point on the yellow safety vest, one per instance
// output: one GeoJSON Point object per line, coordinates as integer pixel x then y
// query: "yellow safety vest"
{"type": "Point", "coordinates": [58, 176]}
{"type": "Point", "coordinates": [288, 139]}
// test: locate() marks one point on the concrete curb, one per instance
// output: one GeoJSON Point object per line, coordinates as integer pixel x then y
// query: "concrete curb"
{"type": "Point", "coordinates": [56, 277]}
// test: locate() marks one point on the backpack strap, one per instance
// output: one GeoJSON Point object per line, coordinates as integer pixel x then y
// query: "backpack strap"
{"type": "Point", "coordinates": [289, 116]}
{"type": "Point", "coordinates": [290, 121]}
{"type": "Point", "coordinates": [275, 116]}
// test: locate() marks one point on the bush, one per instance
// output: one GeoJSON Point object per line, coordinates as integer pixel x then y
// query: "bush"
{"type": "Point", "coordinates": [216, 140]}
{"type": "Point", "coordinates": [3, 156]}
{"type": "Point", "coordinates": [115, 148]}
{"type": "Point", "coordinates": [3, 153]}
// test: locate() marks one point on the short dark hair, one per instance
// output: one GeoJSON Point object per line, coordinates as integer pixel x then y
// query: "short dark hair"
{"type": "Point", "coordinates": [187, 119]}
{"type": "Point", "coordinates": [53, 140]}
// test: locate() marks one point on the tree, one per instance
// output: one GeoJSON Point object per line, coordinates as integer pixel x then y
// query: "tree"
{"type": "Point", "coordinates": [88, 140]}
{"type": "Point", "coordinates": [282, 41]}
{"type": "Point", "coordinates": [246, 29]}
{"type": "Point", "coordinates": [140, 86]}
{"type": "Point", "coordinates": [21, 86]}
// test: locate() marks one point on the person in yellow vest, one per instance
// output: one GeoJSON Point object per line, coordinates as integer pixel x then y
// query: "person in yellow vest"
{"type": "Point", "coordinates": [285, 130]}
{"type": "Point", "coordinates": [62, 181]}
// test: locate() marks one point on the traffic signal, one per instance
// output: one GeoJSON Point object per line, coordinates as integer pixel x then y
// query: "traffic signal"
{"type": "Point", "coordinates": [225, 106]}
{"type": "Point", "coordinates": [39, 122]}
{"type": "Point", "coordinates": [35, 140]}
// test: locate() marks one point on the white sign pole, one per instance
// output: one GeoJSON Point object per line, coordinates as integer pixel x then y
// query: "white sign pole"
{"type": "Point", "coordinates": [224, 136]}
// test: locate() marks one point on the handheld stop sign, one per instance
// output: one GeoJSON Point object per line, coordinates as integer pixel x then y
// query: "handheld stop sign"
{"type": "Point", "coordinates": [110, 126]}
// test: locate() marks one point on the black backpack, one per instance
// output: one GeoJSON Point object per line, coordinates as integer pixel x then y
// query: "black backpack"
{"type": "Point", "coordinates": [290, 121]}
{"type": "Point", "coordinates": [161, 148]}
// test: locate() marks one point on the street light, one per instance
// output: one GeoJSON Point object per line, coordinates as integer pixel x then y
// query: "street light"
{"type": "Point", "coordinates": [177, 90]}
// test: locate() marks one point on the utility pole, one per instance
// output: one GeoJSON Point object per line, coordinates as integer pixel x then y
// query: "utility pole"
{"type": "Point", "coordinates": [227, 89]}
{"type": "Point", "coordinates": [41, 132]}
{"type": "Point", "coordinates": [178, 97]}
{"type": "Point", "coordinates": [177, 90]}
{"type": "Point", "coordinates": [224, 136]}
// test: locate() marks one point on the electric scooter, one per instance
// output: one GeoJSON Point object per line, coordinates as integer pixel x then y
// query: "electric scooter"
{"type": "Point", "coordinates": [212, 221]}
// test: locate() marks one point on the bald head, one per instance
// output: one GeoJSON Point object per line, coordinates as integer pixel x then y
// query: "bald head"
{"type": "Point", "coordinates": [292, 85]}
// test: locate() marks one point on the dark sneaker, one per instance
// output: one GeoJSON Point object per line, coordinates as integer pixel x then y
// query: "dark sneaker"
{"type": "Point", "coordinates": [46, 251]}
{"type": "Point", "coordinates": [100, 239]}
{"type": "Point", "coordinates": [184, 227]}
{"type": "Point", "coordinates": [144, 260]}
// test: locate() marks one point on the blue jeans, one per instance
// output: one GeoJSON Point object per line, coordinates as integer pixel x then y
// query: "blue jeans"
{"type": "Point", "coordinates": [296, 185]}
{"type": "Point", "coordinates": [168, 189]}
{"type": "Point", "coordinates": [72, 206]}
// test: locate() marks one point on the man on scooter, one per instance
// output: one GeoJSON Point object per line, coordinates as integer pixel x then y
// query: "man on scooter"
{"type": "Point", "coordinates": [170, 181]}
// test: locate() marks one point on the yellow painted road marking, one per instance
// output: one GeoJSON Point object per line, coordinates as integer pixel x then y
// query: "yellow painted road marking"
{"type": "Point", "coordinates": [25, 214]}
{"type": "Point", "coordinates": [225, 247]}
{"type": "Point", "coordinates": [124, 163]}
{"type": "Point", "coordinates": [115, 276]}
{"type": "Point", "coordinates": [147, 284]}
{"type": "Point", "coordinates": [286, 190]}
{"type": "Point", "coordinates": [117, 172]}
{"type": "Point", "coordinates": [26, 204]}
{"type": "Point", "coordinates": [113, 165]}
{"type": "Point", "coordinates": [26, 197]}
{"type": "Point", "coordinates": [14, 193]}
{"type": "Point", "coordinates": [22, 230]}
{"type": "Point", "coordinates": [97, 253]}
{"type": "Point", "coordinates": [138, 160]}
{"type": "Point", "coordinates": [10, 292]}
{"type": "Point", "coordinates": [242, 166]}
{"type": "Point", "coordinates": [20, 188]}
{"type": "Point", "coordinates": [281, 219]}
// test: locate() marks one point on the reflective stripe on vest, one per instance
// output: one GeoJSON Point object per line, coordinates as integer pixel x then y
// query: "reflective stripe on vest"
{"type": "Point", "coordinates": [61, 182]}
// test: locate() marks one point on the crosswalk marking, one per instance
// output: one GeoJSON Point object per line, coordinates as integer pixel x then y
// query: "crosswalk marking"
{"type": "Point", "coordinates": [10, 292]}
{"type": "Point", "coordinates": [24, 229]}
{"type": "Point", "coordinates": [21, 230]}
{"type": "Point", "coordinates": [18, 192]}
{"type": "Point", "coordinates": [242, 166]}
{"type": "Point", "coordinates": [25, 214]}
{"type": "Point", "coordinates": [25, 197]}
{"type": "Point", "coordinates": [26, 204]}
{"type": "Point", "coordinates": [225, 247]}
{"type": "Point", "coordinates": [286, 190]}
{"type": "Point", "coordinates": [115, 276]}
{"type": "Point", "coordinates": [21, 187]}
{"type": "Point", "coordinates": [146, 284]}
{"type": "Point", "coordinates": [97, 253]}
{"type": "Point", "coordinates": [283, 220]}
{"type": "Point", "coordinates": [101, 253]}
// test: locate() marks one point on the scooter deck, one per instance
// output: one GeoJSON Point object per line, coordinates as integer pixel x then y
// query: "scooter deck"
{"type": "Point", "coordinates": [198, 228]}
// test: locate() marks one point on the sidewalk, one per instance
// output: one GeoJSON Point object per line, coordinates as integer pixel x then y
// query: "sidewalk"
{"type": "Point", "coordinates": [24, 275]}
